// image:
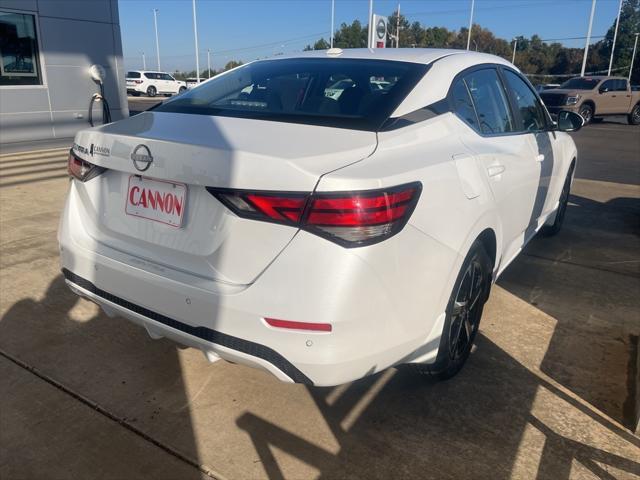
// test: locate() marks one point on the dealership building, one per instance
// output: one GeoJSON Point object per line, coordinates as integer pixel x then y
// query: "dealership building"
{"type": "Point", "coordinates": [47, 49]}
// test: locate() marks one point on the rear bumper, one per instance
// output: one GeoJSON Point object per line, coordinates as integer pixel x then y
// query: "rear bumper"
{"type": "Point", "coordinates": [384, 302]}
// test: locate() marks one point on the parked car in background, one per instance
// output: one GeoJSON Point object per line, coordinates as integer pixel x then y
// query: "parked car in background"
{"type": "Point", "coordinates": [546, 86]}
{"type": "Point", "coordinates": [322, 216]}
{"type": "Point", "coordinates": [192, 82]}
{"type": "Point", "coordinates": [153, 83]}
{"type": "Point", "coordinates": [595, 97]}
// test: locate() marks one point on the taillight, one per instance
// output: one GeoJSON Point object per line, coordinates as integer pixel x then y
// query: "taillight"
{"type": "Point", "coordinates": [351, 219]}
{"type": "Point", "coordinates": [81, 169]}
{"type": "Point", "coordinates": [138, 82]}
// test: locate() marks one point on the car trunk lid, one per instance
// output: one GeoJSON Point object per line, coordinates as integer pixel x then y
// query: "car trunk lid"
{"type": "Point", "coordinates": [197, 151]}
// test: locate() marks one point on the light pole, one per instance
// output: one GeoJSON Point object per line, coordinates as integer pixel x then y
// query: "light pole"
{"type": "Point", "coordinates": [470, 25]}
{"type": "Point", "coordinates": [633, 55]}
{"type": "Point", "coordinates": [398, 28]}
{"type": "Point", "coordinates": [586, 45]}
{"type": "Point", "coordinates": [370, 31]}
{"type": "Point", "coordinates": [333, 10]}
{"type": "Point", "coordinates": [155, 24]}
{"type": "Point", "coordinates": [144, 62]}
{"type": "Point", "coordinates": [195, 36]}
{"type": "Point", "coordinates": [209, 61]}
{"type": "Point", "coordinates": [515, 46]}
{"type": "Point", "coordinates": [615, 35]}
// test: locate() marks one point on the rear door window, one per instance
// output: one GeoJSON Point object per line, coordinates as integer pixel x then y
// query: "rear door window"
{"type": "Point", "coordinates": [621, 85]}
{"type": "Point", "coordinates": [463, 105]}
{"type": "Point", "coordinates": [490, 101]}
{"type": "Point", "coordinates": [531, 114]}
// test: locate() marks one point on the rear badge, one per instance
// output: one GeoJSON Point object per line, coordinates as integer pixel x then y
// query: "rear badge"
{"type": "Point", "coordinates": [142, 158]}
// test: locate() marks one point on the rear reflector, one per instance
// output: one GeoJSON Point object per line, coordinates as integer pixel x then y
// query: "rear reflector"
{"type": "Point", "coordinates": [81, 169]}
{"type": "Point", "coordinates": [351, 219]}
{"type": "Point", "coordinates": [315, 327]}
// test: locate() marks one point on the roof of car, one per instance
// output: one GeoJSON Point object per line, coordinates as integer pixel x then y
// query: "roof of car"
{"type": "Point", "coordinates": [602, 77]}
{"type": "Point", "coordinates": [414, 55]}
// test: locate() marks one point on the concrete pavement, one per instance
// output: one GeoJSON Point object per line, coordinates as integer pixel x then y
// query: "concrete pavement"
{"type": "Point", "coordinates": [546, 394]}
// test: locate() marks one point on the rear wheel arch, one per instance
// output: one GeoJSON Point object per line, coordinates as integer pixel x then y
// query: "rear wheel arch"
{"type": "Point", "coordinates": [488, 240]}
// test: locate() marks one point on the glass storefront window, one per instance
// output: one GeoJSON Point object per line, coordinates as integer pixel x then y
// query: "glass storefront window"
{"type": "Point", "coordinates": [19, 62]}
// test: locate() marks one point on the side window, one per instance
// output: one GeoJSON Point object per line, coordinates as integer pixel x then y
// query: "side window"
{"type": "Point", "coordinates": [532, 115]}
{"type": "Point", "coordinates": [621, 85]}
{"type": "Point", "coordinates": [608, 85]}
{"type": "Point", "coordinates": [150, 76]}
{"type": "Point", "coordinates": [462, 104]}
{"type": "Point", "coordinates": [166, 76]}
{"type": "Point", "coordinates": [490, 101]}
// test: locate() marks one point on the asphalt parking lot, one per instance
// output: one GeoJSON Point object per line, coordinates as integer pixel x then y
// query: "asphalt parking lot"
{"type": "Point", "coordinates": [549, 391]}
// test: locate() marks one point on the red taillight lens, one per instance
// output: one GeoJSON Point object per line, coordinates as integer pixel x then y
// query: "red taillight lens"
{"type": "Point", "coordinates": [138, 82]}
{"type": "Point", "coordinates": [81, 169]}
{"type": "Point", "coordinates": [361, 218]}
{"type": "Point", "coordinates": [351, 219]}
{"type": "Point", "coordinates": [286, 208]}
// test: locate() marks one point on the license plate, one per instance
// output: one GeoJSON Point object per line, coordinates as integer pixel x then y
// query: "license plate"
{"type": "Point", "coordinates": [156, 200]}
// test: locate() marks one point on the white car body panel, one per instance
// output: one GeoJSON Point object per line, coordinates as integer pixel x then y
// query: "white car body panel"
{"type": "Point", "coordinates": [212, 283]}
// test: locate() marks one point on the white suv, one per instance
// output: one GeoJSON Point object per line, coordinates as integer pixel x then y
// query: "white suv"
{"type": "Point", "coordinates": [153, 83]}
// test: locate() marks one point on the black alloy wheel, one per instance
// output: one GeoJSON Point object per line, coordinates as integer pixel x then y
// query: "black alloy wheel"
{"type": "Point", "coordinates": [550, 230]}
{"type": "Point", "coordinates": [463, 315]}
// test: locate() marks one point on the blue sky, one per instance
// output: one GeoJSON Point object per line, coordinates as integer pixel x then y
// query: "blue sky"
{"type": "Point", "coordinates": [250, 29]}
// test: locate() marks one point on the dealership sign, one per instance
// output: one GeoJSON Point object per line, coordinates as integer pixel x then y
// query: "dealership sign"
{"type": "Point", "coordinates": [379, 32]}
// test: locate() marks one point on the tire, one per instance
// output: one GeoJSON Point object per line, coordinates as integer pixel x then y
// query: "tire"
{"type": "Point", "coordinates": [182, 89]}
{"type": "Point", "coordinates": [135, 94]}
{"type": "Point", "coordinates": [473, 285]}
{"type": "Point", "coordinates": [558, 220]}
{"type": "Point", "coordinates": [151, 91]}
{"type": "Point", "coordinates": [634, 117]}
{"type": "Point", "coordinates": [586, 112]}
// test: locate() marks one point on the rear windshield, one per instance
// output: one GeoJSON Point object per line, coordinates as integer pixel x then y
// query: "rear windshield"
{"type": "Point", "coordinates": [580, 84]}
{"type": "Point", "coordinates": [133, 74]}
{"type": "Point", "coordinates": [346, 93]}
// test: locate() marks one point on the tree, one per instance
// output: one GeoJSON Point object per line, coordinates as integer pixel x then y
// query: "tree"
{"type": "Point", "coordinates": [629, 25]}
{"type": "Point", "coordinates": [321, 44]}
{"type": "Point", "coordinates": [232, 64]}
{"type": "Point", "coordinates": [351, 36]}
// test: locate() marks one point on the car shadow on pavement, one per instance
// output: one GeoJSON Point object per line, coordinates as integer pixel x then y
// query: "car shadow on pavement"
{"type": "Point", "coordinates": [588, 278]}
{"type": "Point", "coordinates": [395, 425]}
{"type": "Point", "coordinates": [98, 358]}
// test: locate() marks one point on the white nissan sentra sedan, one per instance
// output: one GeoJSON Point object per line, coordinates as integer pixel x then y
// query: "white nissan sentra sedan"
{"type": "Point", "coordinates": [323, 216]}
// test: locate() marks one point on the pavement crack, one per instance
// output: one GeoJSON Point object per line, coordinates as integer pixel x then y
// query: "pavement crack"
{"type": "Point", "coordinates": [576, 264]}
{"type": "Point", "coordinates": [122, 422]}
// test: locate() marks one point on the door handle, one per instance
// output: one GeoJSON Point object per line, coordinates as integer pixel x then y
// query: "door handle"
{"type": "Point", "coordinates": [495, 170]}
{"type": "Point", "coordinates": [540, 158]}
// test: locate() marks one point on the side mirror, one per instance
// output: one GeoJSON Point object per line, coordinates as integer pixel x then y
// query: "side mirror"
{"type": "Point", "coordinates": [569, 121]}
{"type": "Point", "coordinates": [603, 89]}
